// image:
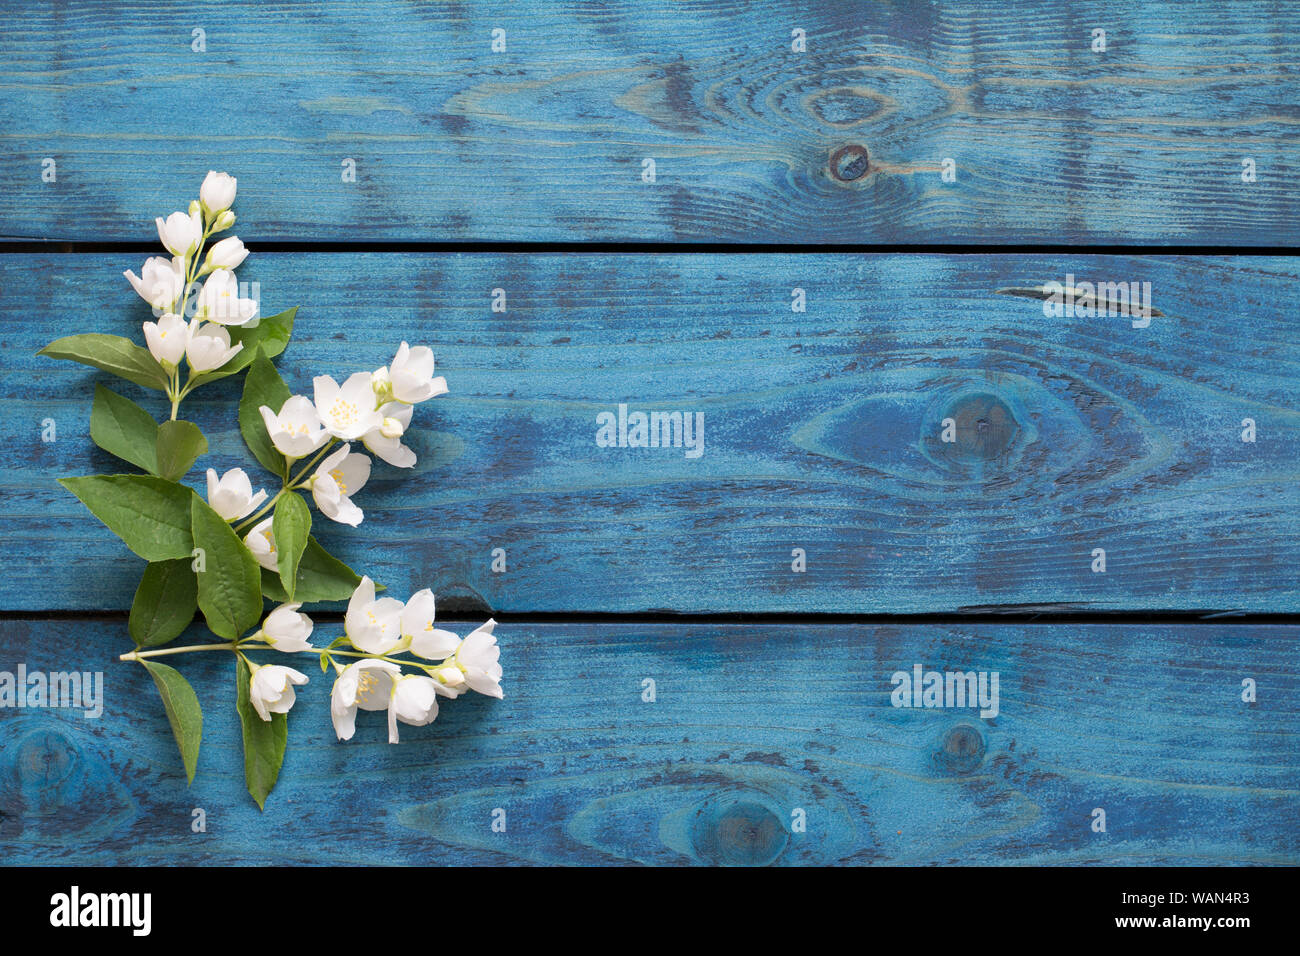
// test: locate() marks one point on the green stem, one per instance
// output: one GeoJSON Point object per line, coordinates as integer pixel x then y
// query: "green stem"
{"type": "Point", "coordinates": [139, 655]}
{"type": "Point", "coordinates": [252, 519]}
{"type": "Point", "coordinates": [335, 652]}
{"type": "Point", "coordinates": [176, 392]}
{"type": "Point", "coordinates": [192, 272]}
{"type": "Point", "coordinates": [312, 464]}
{"type": "Point", "coordinates": [173, 391]}
{"type": "Point", "coordinates": [288, 486]}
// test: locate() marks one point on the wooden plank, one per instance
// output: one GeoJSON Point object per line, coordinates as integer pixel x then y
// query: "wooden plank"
{"type": "Point", "coordinates": [822, 431]}
{"type": "Point", "coordinates": [749, 724]}
{"type": "Point", "coordinates": [1051, 140]}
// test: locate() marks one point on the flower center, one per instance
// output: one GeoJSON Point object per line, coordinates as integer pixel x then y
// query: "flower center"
{"type": "Point", "coordinates": [343, 412]}
{"type": "Point", "coordinates": [337, 475]}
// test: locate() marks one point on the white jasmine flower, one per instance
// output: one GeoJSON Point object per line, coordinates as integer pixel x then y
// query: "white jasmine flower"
{"type": "Point", "coordinates": [232, 496]}
{"type": "Point", "coordinates": [386, 440]}
{"type": "Point", "coordinates": [167, 339]}
{"type": "Point", "coordinates": [161, 281]}
{"type": "Point", "coordinates": [348, 411]}
{"type": "Point", "coordinates": [261, 542]}
{"type": "Point", "coordinates": [412, 375]}
{"type": "Point", "coordinates": [209, 346]}
{"type": "Point", "coordinates": [219, 301]}
{"type": "Point", "coordinates": [271, 689]}
{"type": "Point", "coordinates": [367, 684]}
{"type": "Point", "coordinates": [414, 701]}
{"type": "Point", "coordinates": [417, 628]}
{"type": "Point", "coordinates": [287, 629]}
{"type": "Point", "coordinates": [478, 659]}
{"type": "Point", "coordinates": [296, 430]}
{"type": "Point", "coordinates": [218, 191]}
{"type": "Point", "coordinates": [339, 476]}
{"type": "Point", "coordinates": [373, 626]}
{"type": "Point", "coordinates": [180, 233]}
{"type": "Point", "coordinates": [226, 254]}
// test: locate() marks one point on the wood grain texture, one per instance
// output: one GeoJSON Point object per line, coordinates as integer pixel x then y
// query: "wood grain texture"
{"type": "Point", "coordinates": [750, 723]}
{"type": "Point", "coordinates": [1052, 141]}
{"type": "Point", "coordinates": [822, 431]}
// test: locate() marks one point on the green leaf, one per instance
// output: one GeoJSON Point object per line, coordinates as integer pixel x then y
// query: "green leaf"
{"type": "Point", "coordinates": [112, 353]}
{"type": "Point", "coordinates": [262, 386]}
{"type": "Point", "coordinates": [178, 446]}
{"type": "Point", "coordinates": [122, 428]}
{"type": "Point", "coordinates": [321, 577]}
{"type": "Point", "coordinates": [164, 603]}
{"type": "Point", "coordinates": [183, 712]}
{"type": "Point", "coordinates": [290, 527]}
{"type": "Point", "coordinates": [230, 593]}
{"type": "Point", "coordinates": [150, 515]}
{"type": "Point", "coordinates": [264, 740]}
{"type": "Point", "coordinates": [271, 335]}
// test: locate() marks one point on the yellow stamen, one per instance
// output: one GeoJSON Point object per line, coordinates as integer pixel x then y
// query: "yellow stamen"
{"type": "Point", "coordinates": [343, 412]}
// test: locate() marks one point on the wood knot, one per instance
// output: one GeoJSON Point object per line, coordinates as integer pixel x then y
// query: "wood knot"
{"type": "Point", "coordinates": [961, 751]}
{"type": "Point", "coordinates": [978, 428]}
{"type": "Point", "coordinates": [738, 833]}
{"type": "Point", "coordinates": [44, 762]}
{"type": "Point", "coordinates": [848, 163]}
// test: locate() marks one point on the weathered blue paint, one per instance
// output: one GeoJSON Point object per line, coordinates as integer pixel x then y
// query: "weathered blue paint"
{"type": "Point", "coordinates": [822, 427]}
{"type": "Point", "coordinates": [750, 724]}
{"type": "Point", "coordinates": [1052, 140]}
{"type": "Point", "coordinates": [822, 431]}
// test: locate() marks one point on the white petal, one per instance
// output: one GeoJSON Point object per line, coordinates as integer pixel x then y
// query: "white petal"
{"type": "Point", "coordinates": [345, 512]}
{"type": "Point", "coordinates": [332, 459]}
{"type": "Point", "coordinates": [390, 450]}
{"type": "Point", "coordinates": [325, 390]}
{"type": "Point", "coordinates": [418, 612]}
{"type": "Point", "coordinates": [434, 644]}
{"type": "Point", "coordinates": [483, 684]}
{"type": "Point", "coordinates": [356, 472]}
{"type": "Point", "coordinates": [364, 594]}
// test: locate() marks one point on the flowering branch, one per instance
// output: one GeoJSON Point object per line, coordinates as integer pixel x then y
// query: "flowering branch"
{"type": "Point", "coordinates": [227, 554]}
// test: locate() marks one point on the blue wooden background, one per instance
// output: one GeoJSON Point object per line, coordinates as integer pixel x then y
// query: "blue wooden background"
{"type": "Point", "coordinates": [821, 430]}
{"type": "Point", "coordinates": [1052, 141]}
{"type": "Point", "coordinates": [751, 722]}
{"type": "Point", "coordinates": [821, 427]}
